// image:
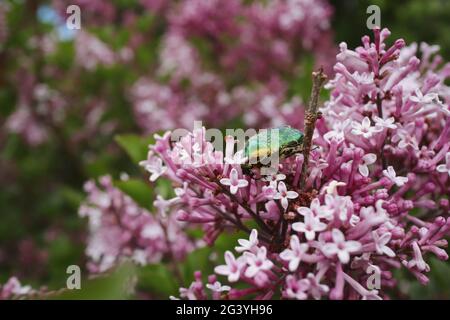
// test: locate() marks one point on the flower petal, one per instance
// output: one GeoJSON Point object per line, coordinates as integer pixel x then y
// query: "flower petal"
{"type": "Point", "coordinates": [363, 170]}
{"type": "Point", "coordinates": [343, 256]}
{"type": "Point", "coordinates": [337, 236]}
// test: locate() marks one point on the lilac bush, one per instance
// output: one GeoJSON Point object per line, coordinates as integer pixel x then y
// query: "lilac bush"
{"type": "Point", "coordinates": [119, 229]}
{"type": "Point", "coordinates": [375, 197]}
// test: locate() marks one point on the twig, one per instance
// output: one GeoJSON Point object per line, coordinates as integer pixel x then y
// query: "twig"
{"type": "Point", "coordinates": [235, 221]}
{"type": "Point", "coordinates": [311, 116]}
{"type": "Point", "coordinates": [173, 262]}
{"type": "Point", "coordinates": [247, 208]}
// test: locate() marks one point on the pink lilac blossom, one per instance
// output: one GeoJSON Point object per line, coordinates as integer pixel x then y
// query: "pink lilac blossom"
{"type": "Point", "coordinates": [38, 105]}
{"type": "Point", "coordinates": [267, 106]}
{"type": "Point", "coordinates": [375, 195]}
{"type": "Point", "coordinates": [92, 52]}
{"type": "Point", "coordinates": [205, 98]}
{"type": "Point", "coordinates": [120, 229]}
{"type": "Point", "coordinates": [191, 92]}
{"type": "Point", "coordinates": [178, 58]}
{"type": "Point", "coordinates": [13, 289]}
{"type": "Point", "coordinates": [251, 40]}
{"type": "Point", "coordinates": [285, 28]}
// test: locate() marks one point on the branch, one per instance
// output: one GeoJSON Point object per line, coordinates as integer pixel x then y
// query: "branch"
{"type": "Point", "coordinates": [311, 116]}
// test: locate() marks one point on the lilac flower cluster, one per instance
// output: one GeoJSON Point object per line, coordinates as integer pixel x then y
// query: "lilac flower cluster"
{"type": "Point", "coordinates": [91, 51]}
{"type": "Point", "coordinates": [42, 111]}
{"type": "Point", "coordinates": [119, 229]}
{"type": "Point", "coordinates": [375, 197]}
{"type": "Point", "coordinates": [264, 36]}
{"type": "Point", "coordinates": [180, 106]}
{"type": "Point", "coordinates": [249, 75]}
{"type": "Point", "coordinates": [259, 42]}
{"type": "Point", "coordinates": [38, 106]}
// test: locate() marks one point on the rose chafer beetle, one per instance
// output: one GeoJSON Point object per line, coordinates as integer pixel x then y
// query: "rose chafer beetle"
{"type": "Point", "coordinates": [281, 141]}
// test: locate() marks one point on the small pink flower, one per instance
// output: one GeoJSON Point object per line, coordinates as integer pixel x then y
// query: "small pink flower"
{"type": "Point", "coordinates": [385, 123]}
{"type": "Point", "coordinates": [337, 206]}
{"type": "Point", "coordinates": [12, 288]}
{"type": "Point", "coordinates": [391, 174]}
{"type": "Point", "coordinates": [381, 243]}
{"type": "Point", "coordinates": [317, 209]}
{"type": "Point", "coordinates": [364, 128]}
{"type": "Point", "coordinates": [295, 253]}
{"type": "Point", "coordinates": [368, 159]}
{"type": "Point", "coordinates": [445, 168]}
{"type": "Point", "coordinates": [331, 188]}
{"type": "Point", "coordinates": [154, 165]}
{"type": "Point", "coordinates": [296, 289]}
{"type": "Point", "coordinates": [311, 224]}
{"type": "Point", "coordinates": [405, 138]}
{"type": "Point", "coordinates": [418, 261]}
{"type": "Point", "coordinates": [284, 195]}
{"type": "Point", "coordinates": [335, 135]}
{"type": "Point", "coordinates": [188, 293]}
{"type": "Point", "coordinates": [232, 268]}
{"type": "Point", "coordinates": [234, 182]}
{"type": "Point", "coordinates": [248, 245]}
{"type": "Point", "coordinates": [340, 247]}
{"type": "Point", "coordinates": [217, 287]}
{"type": "Point", "coordinates": [315, 288]}
{"type": "Point", "coordinates": [273, 179]}
{"type": "Point", "coordinates": [424, 99]}
{"type": "Point", "coordinates": [257, 262]}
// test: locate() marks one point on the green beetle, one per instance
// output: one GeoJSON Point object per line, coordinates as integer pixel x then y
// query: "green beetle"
{"type": "Point", "coordinates": [260, 147]}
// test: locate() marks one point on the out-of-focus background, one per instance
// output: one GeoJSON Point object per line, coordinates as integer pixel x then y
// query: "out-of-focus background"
{"type": "Point", "coordinates": [72, 102]}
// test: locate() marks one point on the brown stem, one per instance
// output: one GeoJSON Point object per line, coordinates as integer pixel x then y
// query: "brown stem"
{"type": "Point", "coordinates": [311, 116]}
{"type": "Point", "coordinates": [235, 221]}
{"type": "Point", "coordinates": [173, 261]}
{"type": "Point", "coordinates": [247, 208]}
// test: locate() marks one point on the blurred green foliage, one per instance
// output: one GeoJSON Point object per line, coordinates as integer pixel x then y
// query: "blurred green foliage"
{"type": "Point", "coordinates": [117, 285]}
{"type": "Point", "coordinates": [412, 20]}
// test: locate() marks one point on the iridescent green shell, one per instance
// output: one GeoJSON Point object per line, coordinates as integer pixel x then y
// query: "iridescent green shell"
{"type": "Point", "coordinates": [260, 146]}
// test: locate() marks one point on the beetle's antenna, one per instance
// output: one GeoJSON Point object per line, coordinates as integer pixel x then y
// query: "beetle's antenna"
{"type": "Point", "coordinates": [311, 116]}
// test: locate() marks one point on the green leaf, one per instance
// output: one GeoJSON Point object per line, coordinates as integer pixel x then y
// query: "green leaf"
{"type": "Point", "coordinates": [72, 196]}
{"type": "Point", "coordinates": [135, 146]}
{"type": "Point", "coordinates": [138, 190]}
{"type": "Point", "coordinates": [113, 286]}
{"type": "Point", "coordinates": [198, 260]}
{"type": "Point", "coordinates": [164, 188]}
{"type": "Point", "coordinates": [159, 280]}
